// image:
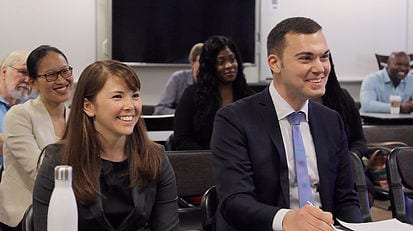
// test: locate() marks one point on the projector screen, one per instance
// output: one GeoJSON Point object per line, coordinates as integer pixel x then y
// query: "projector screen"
{"type": "Point", "coordinates": [163, 31]}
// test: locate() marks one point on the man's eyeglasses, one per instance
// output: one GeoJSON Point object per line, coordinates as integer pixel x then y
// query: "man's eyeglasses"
{"type": "Point", "coordinates": [52, 76]}
{"type": "Point", "coordinates": [23, 72]}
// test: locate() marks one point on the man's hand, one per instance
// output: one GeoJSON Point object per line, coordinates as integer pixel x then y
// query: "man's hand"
{"type": "Point", "coordinates": [308, 218]}
{"type": "Point", "coordinates": [406, 107]}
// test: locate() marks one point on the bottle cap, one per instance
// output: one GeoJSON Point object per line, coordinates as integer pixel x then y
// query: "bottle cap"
{"type": "Point", "coordinates": [63, 172]}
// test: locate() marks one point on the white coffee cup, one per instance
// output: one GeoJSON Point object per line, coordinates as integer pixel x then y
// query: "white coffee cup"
{"type": "Point", "coordinates": [395, 101]}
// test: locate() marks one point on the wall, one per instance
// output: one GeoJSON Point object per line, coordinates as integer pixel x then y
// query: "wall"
{"type": "Point", "coordinates": [354, 29]}
{"type": "Point", "coordinates": [80, 28]}
{"type": "Point", "coordinates": [69, 25]}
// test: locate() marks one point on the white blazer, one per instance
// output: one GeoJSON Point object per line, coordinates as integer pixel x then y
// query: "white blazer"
{"type": "Point", "coordinates": [28, 128]}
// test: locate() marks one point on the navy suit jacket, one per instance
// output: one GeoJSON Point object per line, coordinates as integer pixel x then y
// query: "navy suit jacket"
{"type": "Point", "coordinates": [250, 164]}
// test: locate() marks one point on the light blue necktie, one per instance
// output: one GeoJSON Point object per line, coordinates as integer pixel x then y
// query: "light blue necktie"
{"type": "Point", "coordinates": [301, 171]}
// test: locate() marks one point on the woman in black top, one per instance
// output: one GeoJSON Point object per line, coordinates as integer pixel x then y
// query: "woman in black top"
{"type": "Point", "coordinates": [220, 81]}
{"type": "Point", "coordinates": [340, 100]}
{"type": "Point", "coordinates": [121, 179]}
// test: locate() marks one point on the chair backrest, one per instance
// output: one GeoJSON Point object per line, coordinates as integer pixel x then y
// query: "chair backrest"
{"type": "Point", "coordinates": [384, 133]}
{"type": "Point", "coordinates": [148, 109]}
{"type": "Point", "coordinates": [382, 61]}
{"type": "Point", "coordinates": [209, 205]}
{"type": "Point", "coordinates": [193, 171]}
{"type": "Point", "coordinates": [27, 223]}
{"type": "Point", "coordinates": [400, 177]}
{"type": "Point", "coordinates": [411, 61]}
{"type": "Point", "coordinates": [361, 186]}
{"type": "Point", "coordinates": [170, 143]}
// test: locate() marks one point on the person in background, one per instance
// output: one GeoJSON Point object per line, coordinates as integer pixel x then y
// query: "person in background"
{"type": "Point", "coordinates": [29, 127]}
{"type": "Point", "coordinates": [254, 147]}
{"type": "Point", "coordinates": [220, 81]}
{"type": "Point", "coordinates": [177, 84]}
{"type": "Point", "coordinates": [395, 79]}
{"type": "Point", "coordinates": [14, 86]}
{"type": "Point", "coordinates": [121, 179]}
{"type": "Point", "coordinates": [340, 100]}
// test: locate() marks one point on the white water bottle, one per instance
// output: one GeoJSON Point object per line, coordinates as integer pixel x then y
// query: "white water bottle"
{"type": "Point", "coordinates": [62, 213]}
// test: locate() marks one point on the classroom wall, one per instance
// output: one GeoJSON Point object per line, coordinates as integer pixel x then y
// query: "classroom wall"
{"type": "Point", "coordinates": [81, 29]}
{"type": "Point", "coordinates": [355, 30]}
{"type": "Point", "coordinates": [69, 25]}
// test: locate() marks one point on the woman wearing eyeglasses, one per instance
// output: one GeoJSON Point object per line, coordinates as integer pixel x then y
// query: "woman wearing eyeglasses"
{"type": "Point", "coordinates": [29, 127]}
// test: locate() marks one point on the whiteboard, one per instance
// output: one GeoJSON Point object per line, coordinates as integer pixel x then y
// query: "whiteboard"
{"type": "Point", "coordinates": [355, 30]}
{"type": "Point", "coordinates": [69, 25]}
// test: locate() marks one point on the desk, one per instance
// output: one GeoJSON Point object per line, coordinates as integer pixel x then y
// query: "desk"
{"type": "Point", "coordinates": [159, 122]}
{"type": "Point", "coordinates": [159, 136]}
{"type": "Point", "coordinates": [386, 118]}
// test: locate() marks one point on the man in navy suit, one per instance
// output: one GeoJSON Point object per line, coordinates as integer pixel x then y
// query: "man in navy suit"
{"type": "Point", "coordinates": [252, 144]}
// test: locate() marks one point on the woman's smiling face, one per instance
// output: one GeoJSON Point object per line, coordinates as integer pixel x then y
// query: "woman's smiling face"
{"type": "Point", "coordinates": [116, 109]}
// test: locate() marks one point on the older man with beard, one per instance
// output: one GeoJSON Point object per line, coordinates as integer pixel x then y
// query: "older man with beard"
{"type": "Point", "coordinates": [14, 86]}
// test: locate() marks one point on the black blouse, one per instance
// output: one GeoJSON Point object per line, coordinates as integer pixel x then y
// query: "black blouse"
{"type": "Point", "coordinates": [117, 198]}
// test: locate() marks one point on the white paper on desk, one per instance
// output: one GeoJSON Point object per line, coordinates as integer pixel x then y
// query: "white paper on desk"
{"type": "Point", "coordinates": [385, 225]}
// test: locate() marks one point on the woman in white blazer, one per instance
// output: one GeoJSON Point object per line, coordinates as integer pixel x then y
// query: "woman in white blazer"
{"type": "Point", "coordinates": [29, 127]}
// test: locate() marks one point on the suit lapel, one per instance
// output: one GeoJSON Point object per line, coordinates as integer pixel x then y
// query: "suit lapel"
{"type": "Point", "coordinates": [97, 211]}
{"type": "Point", "coordinates": [317, 125]}
{"type": "Point", "coordinates": [271, 125]}
{"type": "Point", "coordinates": [137, 215]}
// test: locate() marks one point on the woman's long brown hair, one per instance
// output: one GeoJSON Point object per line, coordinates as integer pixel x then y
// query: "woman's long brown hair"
{"type": "Point", "coordinates": [82, 147]}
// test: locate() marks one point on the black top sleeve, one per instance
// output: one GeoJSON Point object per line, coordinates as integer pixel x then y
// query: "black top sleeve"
{"type": "Point", "coordinates": [356, 139]}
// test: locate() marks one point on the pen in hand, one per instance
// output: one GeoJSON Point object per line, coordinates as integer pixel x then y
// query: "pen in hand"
{"type": "Point", "coordinates": [310, 203]}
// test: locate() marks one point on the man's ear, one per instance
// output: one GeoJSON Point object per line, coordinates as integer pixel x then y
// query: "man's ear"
{"type": "Point", "coordinates": [274, 62]}
{"type": "Point", "coordinates": [3, 72]}
{"type": "Point", "coordinates": [88, 108]}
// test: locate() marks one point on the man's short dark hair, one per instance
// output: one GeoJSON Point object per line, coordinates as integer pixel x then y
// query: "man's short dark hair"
{"type": "Point", "coordinates": [299, 25]}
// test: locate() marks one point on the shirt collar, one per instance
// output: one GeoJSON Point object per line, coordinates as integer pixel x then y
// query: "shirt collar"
{"type": "Point", "coordinates": [386, 77]}
{"type": "Point", "coordinates": [190, 78]}
{"type": "Point", "coordinates": [6, 104]}
{"type": "Point", "coordinates": [282, 108]}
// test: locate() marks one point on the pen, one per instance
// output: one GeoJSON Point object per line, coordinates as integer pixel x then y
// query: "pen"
{"type": "Point", "coordinates": [310, 203]}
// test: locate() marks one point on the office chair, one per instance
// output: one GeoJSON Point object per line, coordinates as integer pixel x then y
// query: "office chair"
{"type": "Point", "coordinates": [193, 174]}
{"type": "Point", "coordinates": [148, 109]}
{"type": "Point", "coordinates": [170, 143]}
{"type": "Point", "coordinates": [361, 186]}
{"type": "Point", "coordinates": [381, 60]}
{"type": "Point", "coordinates": [400, 178]}
{"type": "Point", "coordinates": [209, 205]}
{"type": "Point", "coordinates": [376, 167]}
{"type": "Point", "coordinates": [411, 61]}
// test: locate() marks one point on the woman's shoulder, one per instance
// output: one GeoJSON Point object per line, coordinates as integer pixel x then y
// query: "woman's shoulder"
{"type": "Point", "coordinates": [26, 107]}
{"type": "Point", "coordinates": [52, 154]}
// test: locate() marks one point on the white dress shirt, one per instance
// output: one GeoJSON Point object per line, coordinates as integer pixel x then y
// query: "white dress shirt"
{"type": "Point", "coordinates": [283, 109]}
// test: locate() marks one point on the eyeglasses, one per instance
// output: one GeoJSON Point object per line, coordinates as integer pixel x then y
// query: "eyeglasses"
{"type": "Point", "coordinates": [23, 72]}
{"type": "Point", "coordinates": [52, 76]}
